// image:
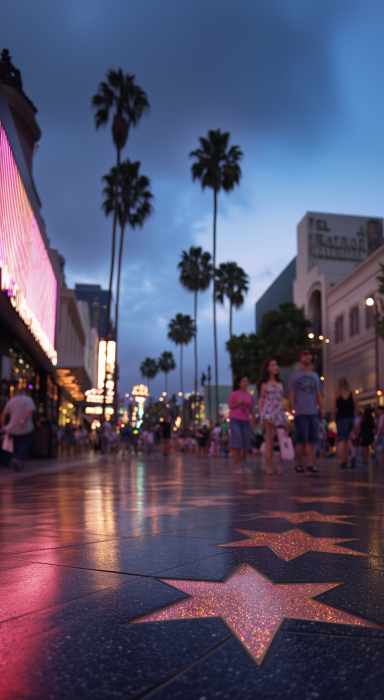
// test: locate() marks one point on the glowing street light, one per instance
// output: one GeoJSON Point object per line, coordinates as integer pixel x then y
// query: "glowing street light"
{"type": "Point", "coordinates": [164, 393]}
{"type": "Point", "coordinates": [311, 335]}
{"type": "Point", "coordinates": [180, 393]}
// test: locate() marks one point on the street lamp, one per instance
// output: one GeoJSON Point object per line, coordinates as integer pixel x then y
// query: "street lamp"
{"type": "Point", "coordinates": [377, 306]}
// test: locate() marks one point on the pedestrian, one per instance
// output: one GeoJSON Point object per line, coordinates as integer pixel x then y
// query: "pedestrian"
{"type": "Point", "coordinates": [258, 438]}
{"type": "Point", "coordinates": [367, 433]}
{"type": "Point", "coordinates": [202, 435]}
{"type": "Point", "coordinates": [216, 437]}
{"type": "Point", "coordinates": [106, 436]}
{"type": "Point", "coordinates": [380, 434]}
{"type": "Point", "coordinates": [344, 409]}
{"type": "Point", "coordinates": [166, 432]}
{"type": "Point", "coordinates": [242, 410]}
{"type": "Point", "coordinates": [305, 400]}
{"type": "Point", "coordinates": [20, 428]}
{"type": "Point", "coordinates": [271, 409]}
{"type": "Point", "coordinates": [224, 435]}
{"type": "Point", "coordinates": [126, 434]}
{"type": "Point", "coordinates": [79, 435]}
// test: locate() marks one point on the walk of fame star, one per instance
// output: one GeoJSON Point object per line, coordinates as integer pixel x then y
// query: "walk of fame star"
{"type": "Point", "coordinates": [306, 516]}
{"type": "Point", "coordinates": [327, 499]}
{"type": "Point", "coordinates": [252, 607]}
{"type": "Point", "coordinates": [289, 545]}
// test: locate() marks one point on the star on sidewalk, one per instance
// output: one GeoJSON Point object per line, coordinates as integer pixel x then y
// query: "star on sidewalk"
{"type": "Point", "coordinates": [289, 545]}
{"type": "Point", "coordinates": [327, 499]}
{"type": "Point", "coordinates": [252, 607]}
{"type": "Point", "coordinates": [306, 516]}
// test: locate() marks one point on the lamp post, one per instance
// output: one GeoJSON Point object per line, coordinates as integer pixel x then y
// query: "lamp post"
{"type": "Point", "coordinates": [377, 306]}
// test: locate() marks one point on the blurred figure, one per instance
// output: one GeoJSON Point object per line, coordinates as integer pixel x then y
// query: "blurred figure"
{"type": "Point", "coordinates": [242, 410]}
{"type": "Point", "coordinates": [202, 435]}
{"type": "Point", "coordinates": [380, 434]}
{"type": "Point", "coordinates": [258, 438]}
{"type": "Point", "coordinates": [126, 434]}
{"type": "Point", "coordinates": [106, 436]}
{"type": "Point", "coordinates": [166, 433]}
{"type": "Point", "coordinates": [271, 409]}
{"type": "Point", "coordinates": [19, 409]}
{"type": "Point", "coordinates": [367, 433]}
{"type": "Point", "coordinates": [79, 435]}
{"type": "Point", "coordinates": [216, 437]}
{"type": "Point", "coordinates": [344, 408]}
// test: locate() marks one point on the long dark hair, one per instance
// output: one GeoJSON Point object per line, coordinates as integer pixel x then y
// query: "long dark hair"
{"type": "Point", "coordinates": [237, 380]}
{"type": "Point", "coordinates": [264, 374]}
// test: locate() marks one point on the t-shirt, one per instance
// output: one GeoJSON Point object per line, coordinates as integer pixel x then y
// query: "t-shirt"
{"type": "Point", "coordinates": [224, 429]}
{"type": "Point", "coordinates": [305, 385]}
{"type": "Point", "coordinates": [217, 432]}
{"type": "Point", "coordinates": [243, 411]}
{"type": "Point", "coordinates": [16, 408]}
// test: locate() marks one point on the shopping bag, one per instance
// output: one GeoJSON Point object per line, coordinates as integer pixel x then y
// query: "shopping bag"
{"type": "Point", "coordinates": [286, 444]}
{"type": "Point", "coordinates": [7, 443]}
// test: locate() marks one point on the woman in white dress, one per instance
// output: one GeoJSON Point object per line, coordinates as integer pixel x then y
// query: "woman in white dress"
{"type": "Point", "coordinates": [271, 408]}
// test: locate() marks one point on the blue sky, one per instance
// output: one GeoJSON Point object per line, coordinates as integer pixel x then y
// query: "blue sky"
{"type": "Point", "coordinates": [299, 86]}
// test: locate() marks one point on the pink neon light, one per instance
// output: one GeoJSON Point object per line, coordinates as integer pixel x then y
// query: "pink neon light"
{"type": "Point", "coordinates": [22, 247]}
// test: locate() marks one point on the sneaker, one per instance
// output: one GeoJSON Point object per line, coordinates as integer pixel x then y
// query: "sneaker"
{"type": "Point", "coordinates": [342, 465]}
{"type": "Point", "coordinates": [312, 470]}
{"type": "Point", "coordinates": [353, 463]}
{"type": "Point", "coordinates": [298, 470]}
{"type": "Point", "coordinates": [16, 464]}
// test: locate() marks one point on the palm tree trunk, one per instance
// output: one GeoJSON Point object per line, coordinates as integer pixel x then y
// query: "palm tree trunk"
{"type": "Point", "coordinates": [214, 304]}
{"type": "Point", "coordinates": [181, 382]}
{"type": "Point", "coordinates": [196, 384]}
{"type": "Point", "coordinates": [111, 279]}
{"type": "Point", "coordinates": [230, 318]}
{"type": "Point", "coordinates": [166, 382]}
{"type": "Point", "coordinates": [117, 314]}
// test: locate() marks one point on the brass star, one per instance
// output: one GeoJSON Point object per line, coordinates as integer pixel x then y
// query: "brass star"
{"type": "Point", "coordinates": [306, 516]}
{"type": "Point", "coordinates": [252, 607]}
{"type": "Point", "coordinates": [326, 499]}
{"type": "Point", "coordinates": [289, 545]}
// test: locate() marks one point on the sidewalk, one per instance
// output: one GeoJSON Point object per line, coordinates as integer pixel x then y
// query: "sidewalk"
{"type": "Point", "coordinates": [33, 467]}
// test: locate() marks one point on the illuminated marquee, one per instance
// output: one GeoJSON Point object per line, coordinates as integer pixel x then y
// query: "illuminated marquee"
{"type": "Point", "coordinates": [26, 271]}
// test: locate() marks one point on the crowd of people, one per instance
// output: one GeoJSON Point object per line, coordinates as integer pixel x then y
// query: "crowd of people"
{"type": "Point", "coordinates": [282, 428]}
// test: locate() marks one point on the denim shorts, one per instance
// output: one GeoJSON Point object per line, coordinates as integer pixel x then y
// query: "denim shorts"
{"type": "Point", "coordinates": [240, 434]}
{"type": "Point", "coordinates": [344, 428]}
{"type": "Point", "coordinates": [307, 429]}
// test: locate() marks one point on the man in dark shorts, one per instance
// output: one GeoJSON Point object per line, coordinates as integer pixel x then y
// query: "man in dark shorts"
{"type": "Point", "coordinates": [304, 389]}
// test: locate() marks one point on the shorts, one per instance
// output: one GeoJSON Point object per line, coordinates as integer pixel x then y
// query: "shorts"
{"type": "Point", "coordinates": [240, 434]}
{"type": "Point", "coordinates": [344, 428]}
{"type": "Point", "coordinates": [307, 429]}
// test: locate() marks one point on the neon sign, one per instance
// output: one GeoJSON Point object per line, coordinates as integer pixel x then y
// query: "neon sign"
{"type": "Point", "coordinates": [26, 271]}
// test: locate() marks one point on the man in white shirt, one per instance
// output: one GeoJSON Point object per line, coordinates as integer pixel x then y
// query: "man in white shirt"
{"type": "Point", "coordinates": [20, 426]}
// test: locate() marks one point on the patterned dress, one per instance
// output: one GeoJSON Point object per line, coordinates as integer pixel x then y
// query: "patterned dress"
{"type": "Point", "coordinates": [273, 409]}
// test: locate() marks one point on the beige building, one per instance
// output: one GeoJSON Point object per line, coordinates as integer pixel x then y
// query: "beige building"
{"type": "Point", "coordinates": [350, 328]}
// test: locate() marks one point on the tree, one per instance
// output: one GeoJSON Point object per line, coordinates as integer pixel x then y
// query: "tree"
{"type": "Point", "coordinates": [132, 201]}
{"type": "Point", "coordinates": [195, 275]}
{"type": "Point", "coordinates": [149, 369]}
{"type": "Point", "coordinates": [166, 363]}
{"type": "Point", "coordinates": [218, 168]}
{"type": "Point", "coordinates": [181, 330]}
{"type": "Point", "coordinates": [120, 94]}
{"type": "Point", "coordinates": [281, 335]}
{"type": "Point", "coordinates": [231, 282]}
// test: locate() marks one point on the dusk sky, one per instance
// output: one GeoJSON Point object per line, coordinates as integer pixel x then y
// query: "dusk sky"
{"type": "Point", "coordinates": [298, 84]}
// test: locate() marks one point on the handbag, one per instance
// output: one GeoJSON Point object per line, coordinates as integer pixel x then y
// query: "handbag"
{"type": "Point", "coordinates": [286, 444]}
{"type": "Point", "coordinates": [7, 442]}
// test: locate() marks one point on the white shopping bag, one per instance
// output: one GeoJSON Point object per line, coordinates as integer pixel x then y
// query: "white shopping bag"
{"type": "Point", "coordinates": [7, 443]}
{"type": "Point", "coordinates": [286, 444]}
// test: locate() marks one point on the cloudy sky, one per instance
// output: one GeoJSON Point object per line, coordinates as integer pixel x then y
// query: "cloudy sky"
{"type": "Point", "coordinates": [299, 86]}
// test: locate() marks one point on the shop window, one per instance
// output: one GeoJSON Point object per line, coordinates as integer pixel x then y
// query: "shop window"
{"type": "Point", "coordinates": [339, 329]}
{"type": "Point", "coordinates": [354, 321]}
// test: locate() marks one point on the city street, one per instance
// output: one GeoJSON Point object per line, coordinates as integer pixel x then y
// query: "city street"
{"type": "Point", "coordinates": [174, 578]}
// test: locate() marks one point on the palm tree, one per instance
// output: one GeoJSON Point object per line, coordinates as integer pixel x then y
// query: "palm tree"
{"type": "Point", "coordinates": [166, 363]}
{"type": "Point", "coordinates": [149, 368]}
{"type": "Point", "coordinates": [132, 200]}
{"type": "Point", "coordinates": [216, 167]}
{"type": "Point", "coordinates": [231, 282]}
{"type": "Point", "coordinates": [195, 275]}
{"type": "Point", "coordinates": [181, 330]}
{"type": "Point", "coordinates": [120, 94]}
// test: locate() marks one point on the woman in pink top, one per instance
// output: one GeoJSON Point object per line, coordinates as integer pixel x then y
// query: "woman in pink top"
{"type": "Point", "coordinates": [242, 412]}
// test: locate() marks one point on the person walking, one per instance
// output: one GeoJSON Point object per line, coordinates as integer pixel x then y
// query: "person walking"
{"type": "Point", "coordinates": [19, 409]}
{"type": "Point", "coordinates": [166, 431]}
{"type": "Point", "coordinates": [271, 408]}
{"type": "Point", "coordinates": [380, 434]}
{"type": "Point", "coordinates": [344, 408]}
{"type": "Point", "coordinates": [126, 434]}
{"type": "Point", "coordinates": [242, 410]}
{"type": "Point", "coordinates": [367, 433]}
{"type": "Point", "coordinates": [304, 391]}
